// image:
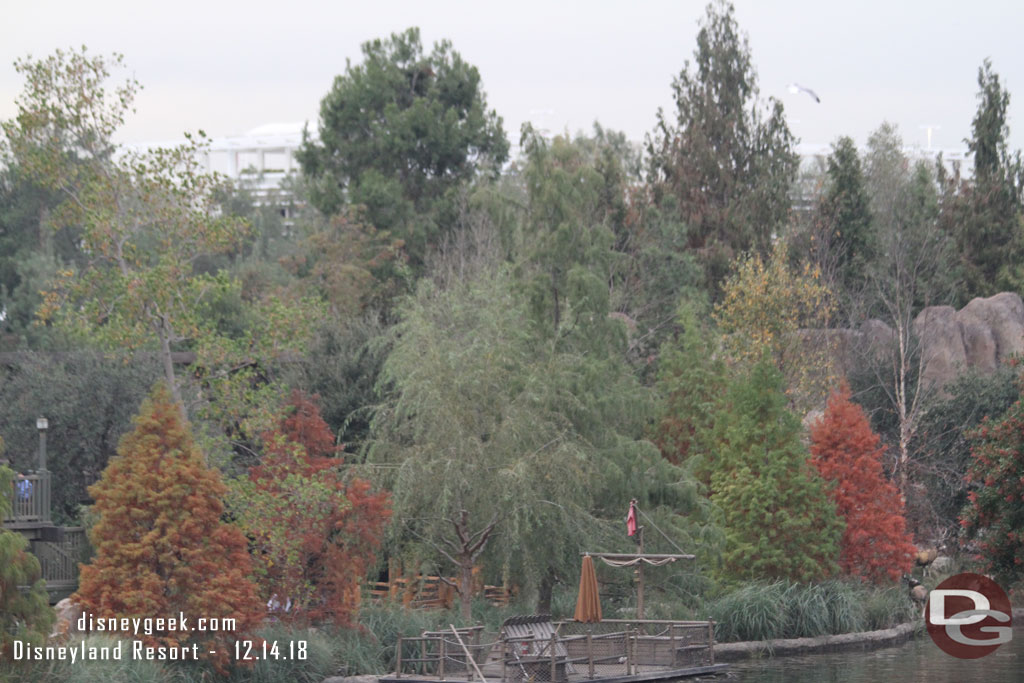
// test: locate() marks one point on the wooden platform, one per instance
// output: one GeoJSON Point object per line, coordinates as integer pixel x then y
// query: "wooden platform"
{"type": "Point", "coordinates": [602, 673]}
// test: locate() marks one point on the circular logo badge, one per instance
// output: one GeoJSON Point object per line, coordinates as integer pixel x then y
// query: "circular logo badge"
{"type": "Point", "coordinates": [968, 616]}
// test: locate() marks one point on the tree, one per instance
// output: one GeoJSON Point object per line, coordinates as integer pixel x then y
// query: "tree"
{"type": "Point", "coordinates": [847, 454]}
{"type": "Point", "coordinates": [495, 427]}
{"type": "Point", "coordinates": [986, 214]}
{"type": "Point", "coordinates": [770, 306]}
{"type": "Point", "coordinates": [723, 165]}
{"type": "Point", "coordinates": [994, 514]}
{"type": "Point", "coordinates": [312, 530]}
{"type": "Point", "coordinates": [24, 614]}
{"type": "Point", "coordinates": [691, 379]}
{"type": "Point", "coordinates": [778, 519]}
{"type": "Point", "coordinates": [846, 242]}
{"type": "Point", "coordinates": [161, 545]}
{"type": "Point", "coordinates": [399, 134]}
{"type": "Point", "coordinates": [144, 217]}
{"type": "Point", "coordinates": [913, 269]}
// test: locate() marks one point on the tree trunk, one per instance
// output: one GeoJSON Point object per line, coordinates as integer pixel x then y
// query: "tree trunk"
{"type": "Point", "coordinates": [466, 589]}
{"type": "Point", "coordinates": [547, 585]}
{"type": "Point", "coordinates": [168, 363]}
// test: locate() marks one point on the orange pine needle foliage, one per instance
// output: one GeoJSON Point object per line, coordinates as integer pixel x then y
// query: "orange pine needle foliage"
{"type": "Point", "coordinates": [875, 544]}
{"type": "Point", "coordinates": [161, 545]}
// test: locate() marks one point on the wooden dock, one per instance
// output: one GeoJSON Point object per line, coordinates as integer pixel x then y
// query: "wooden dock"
{"type": "Point", "coordinates": [537, 650]}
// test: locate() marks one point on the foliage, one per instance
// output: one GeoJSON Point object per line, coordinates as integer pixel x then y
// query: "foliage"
{"type": "Point", "coordinates": [400, 133]}
{"type": "Point", "coordinates": [994, 514]}
{"type": "Point", "coordinates": [313, 533]}
{"type": "Point", "coordinates": [875, 544]}
{"type": "Point", "coordinates": [759, 611]}
{"type": "Point", "coordinates": [691, 378]}
{"type": "Point", "coordinates": [531, 441]}
{"type": "Point", "coordinates": [88, 400]}
{"type": "Point", "coordinates": [726, 166]}
{"type": "Point", "coordinates": [770, 307]}
{"type": "Point", "coordinates": [779, 522]}
{"type": "Point", "coordinates": [984, 215]}
{"type": "Point", "coordinates": [24, 615]}
{"type": "Point", "coordinates": [845, 243]}
{"type": "Point", "coordinates": [160, 545]}
{"type": "Point", "coordinates": [943, 451]}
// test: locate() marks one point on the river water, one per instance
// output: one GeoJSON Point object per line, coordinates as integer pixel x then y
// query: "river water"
{"type": "Point", "coordinates": [917, 660]}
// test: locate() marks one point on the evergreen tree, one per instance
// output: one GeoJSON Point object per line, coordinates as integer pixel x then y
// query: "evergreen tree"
{"type": "Point", "coordinates": [846, 242]}
{"type": "Point", "coordinates": [721, 164]}
{"type": "Point", "coordinates": [875, 543]}
{"type": "Point", "coordinates": [24, 615]}
{"type": "Point", "coordinates": [778, 519]}
{"type": "Point", "coordinates": [161, 545]}
{"type": "Point", "coordinates": [400, 133]}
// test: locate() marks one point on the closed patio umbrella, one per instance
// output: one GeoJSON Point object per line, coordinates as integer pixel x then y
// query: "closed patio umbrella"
{"type": "Point", "coordinates": [588, 603]}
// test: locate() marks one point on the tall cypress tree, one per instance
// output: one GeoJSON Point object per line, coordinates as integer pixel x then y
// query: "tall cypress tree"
{"type": "Point", "coordinates": [779, 522]}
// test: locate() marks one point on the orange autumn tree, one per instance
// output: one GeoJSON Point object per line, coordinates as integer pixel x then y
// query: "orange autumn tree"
{"type": "Point", "coordinates": [161, 547]}
{"type": "Point", "coordinates": [313, 530]}
{"type": "Point", "coordinates": [875, 545]}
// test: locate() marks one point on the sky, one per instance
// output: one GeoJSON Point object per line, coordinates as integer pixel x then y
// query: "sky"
{"type": "Point", "coordinates": [227, 67]}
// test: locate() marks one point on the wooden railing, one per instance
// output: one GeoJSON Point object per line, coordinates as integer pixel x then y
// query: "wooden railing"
{"type": "Point", "coordinates": [30, 499]}
{"type": "Point", "coordinates": [59, 561]}
{"type": "Point", "coordinates": [431, 592]}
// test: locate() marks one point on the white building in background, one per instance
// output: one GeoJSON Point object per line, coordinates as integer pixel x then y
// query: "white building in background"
{"type": "Point", "coordinates": [260, 159]}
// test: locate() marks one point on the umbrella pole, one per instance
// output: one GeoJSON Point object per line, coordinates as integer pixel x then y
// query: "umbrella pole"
{"type": "Point", "coordinates": [640, 576]}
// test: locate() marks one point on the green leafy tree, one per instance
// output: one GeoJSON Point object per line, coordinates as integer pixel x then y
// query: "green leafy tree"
{"type": "Point", "coordinates": [778, 519]}
{"type": "Point", "coordinates": [400, 133]}
{"type": "Point", "coordinates": [994, 514]}
{"type": "Point", "coordinates": [24, 614]}
{"type": "Point", "coordinates": [161, 546]}
{"type": "Point", "coordinates": [721, 163]}
{"type": "Point", "coordinates": [494, 429]}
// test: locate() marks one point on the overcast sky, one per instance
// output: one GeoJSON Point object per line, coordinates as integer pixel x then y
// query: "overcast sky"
{"type": "Point", "coordinates": [228, 67]}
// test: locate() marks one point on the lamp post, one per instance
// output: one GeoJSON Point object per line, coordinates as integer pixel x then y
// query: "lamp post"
{"type": "Point", "coordinates": [42, 424]}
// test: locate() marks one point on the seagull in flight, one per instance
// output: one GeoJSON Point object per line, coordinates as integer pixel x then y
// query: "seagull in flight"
{"type": "Point", "coordinates": [797, 88]}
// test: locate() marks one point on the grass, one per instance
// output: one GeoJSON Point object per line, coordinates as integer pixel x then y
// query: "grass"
{"type": "Point", "coordinates": [767, 611]}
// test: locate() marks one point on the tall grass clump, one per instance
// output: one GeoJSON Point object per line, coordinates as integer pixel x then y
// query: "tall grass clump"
{"type": "Point", "coordinates": [846, 606]}
{"type": "Point", "coordinates": [754, 611]}
{"type": "Point", "coordinates": [888, 607]}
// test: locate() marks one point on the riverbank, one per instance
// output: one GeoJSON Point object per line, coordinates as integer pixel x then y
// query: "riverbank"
{"type": "Point", "coordinates": [844, 642]}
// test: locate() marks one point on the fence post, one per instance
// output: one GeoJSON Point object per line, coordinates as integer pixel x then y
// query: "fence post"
{"type": "Point", "coordinates": [628, 648]}
{"type": "Point", "coordinates": [441, 654]}
{"type": "Point", "coordinates": [398, 659]}
{"type": "Point", "coordinates": [553, 661]}
{"type": "Point", "coordinates": [672, 642]}
{"type": "Point", "coordinates": [590, 652]}
{"type": "Point", "coordinates": [504, 658]}
{"type": "Point", "coordinates": [711, 640]}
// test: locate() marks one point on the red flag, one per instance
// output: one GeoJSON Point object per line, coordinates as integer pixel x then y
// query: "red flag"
{"type": "Point", "coordinates": [631, 519]}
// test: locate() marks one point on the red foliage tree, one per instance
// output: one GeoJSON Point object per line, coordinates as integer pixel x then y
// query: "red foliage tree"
{"type": "Point", "coordinates": [161, 546]}
{"type": "Point", "coordinates": [875, 544]}
{"type": "Point", "coordinates": [314, 530]}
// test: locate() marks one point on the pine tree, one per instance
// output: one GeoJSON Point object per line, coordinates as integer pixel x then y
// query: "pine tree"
{"type": "Point", "coordinates": [23, 615]}
{"type": "Point", "coordinates": [779, 522]}
{"type": "Point", "coordinates": [875, 544]}
{"type": "Point", "coordinates": [161, 545]}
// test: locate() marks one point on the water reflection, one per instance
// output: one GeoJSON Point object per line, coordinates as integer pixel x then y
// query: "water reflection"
{"type": "Point", "coordinates": [917, 660]}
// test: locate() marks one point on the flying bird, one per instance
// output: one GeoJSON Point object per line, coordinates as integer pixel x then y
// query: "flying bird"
{"type": "Point", "coordinates": [797, 88]}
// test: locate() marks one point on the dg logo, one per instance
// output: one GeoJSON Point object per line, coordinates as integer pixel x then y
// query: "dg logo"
{"type": "Point", "coordinates": [969, 616]}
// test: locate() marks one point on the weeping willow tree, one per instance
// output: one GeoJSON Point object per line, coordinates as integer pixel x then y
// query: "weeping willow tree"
{"type": "Point", "coordinates": [505, 448]}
